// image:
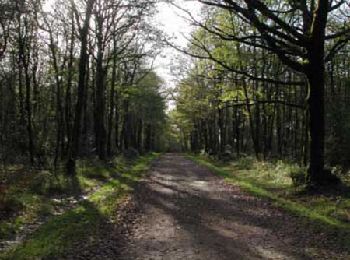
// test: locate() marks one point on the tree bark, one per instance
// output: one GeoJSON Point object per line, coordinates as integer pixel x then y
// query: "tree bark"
{"type": "Point", "coordinates": [74, 149]}
{"type": "Point", "coordinates": [316, 78]}
{"type": "Point", "coordinates": [316, 123]}
{"type": "Point", "coordinates": [100, 102]}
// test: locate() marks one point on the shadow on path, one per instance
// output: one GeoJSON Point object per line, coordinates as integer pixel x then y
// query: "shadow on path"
{"type": "Point", "coordinates": [188, 213]}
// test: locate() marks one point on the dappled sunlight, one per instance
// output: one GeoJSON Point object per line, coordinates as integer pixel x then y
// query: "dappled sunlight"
{"type": "Point", "coordinates": [174, 129]}
{"type": "Point", "coordinates": [79, 216]}
{"type": "Point", "coordinates": [208, 220]}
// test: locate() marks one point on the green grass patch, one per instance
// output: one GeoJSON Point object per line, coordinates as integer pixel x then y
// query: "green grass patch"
{"type": "Point", "coordinates": [28, 195]}
{"type": "Point", "coordinates": [59, 234]}
{"type": "Point", "coordinates": [272, 180]}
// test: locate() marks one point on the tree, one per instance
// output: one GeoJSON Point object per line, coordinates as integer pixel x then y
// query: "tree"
{"type": "Point", "coordinates": [304, 35]}
{"type": "Point", "coordinates": [83, 37]}
{"type": "Point", "coordinates": [59, 67]}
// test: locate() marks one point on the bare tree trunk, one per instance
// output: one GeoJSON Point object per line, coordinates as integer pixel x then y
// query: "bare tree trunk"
{"type": "Point", "coordinates": [112, 103]}
{"type": "Point", "coordinates": [28, 106]}
{"type": "Point", "coordinates": [316, 78]}
{"type": "Point", "coordinates": [74, 148]}
{"type": "Point", "coordinates": [100, 96]}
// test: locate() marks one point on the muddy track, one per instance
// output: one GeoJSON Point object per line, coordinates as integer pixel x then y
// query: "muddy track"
{"type": "Point", "coordinates": [183, 211]}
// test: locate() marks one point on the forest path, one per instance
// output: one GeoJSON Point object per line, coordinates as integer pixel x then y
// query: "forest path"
{"type": "Point", "coordinates": [186, 212]}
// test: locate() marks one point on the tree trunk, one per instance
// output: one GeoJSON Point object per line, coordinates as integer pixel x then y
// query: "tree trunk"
{"type": "Point", "coordinates": [139, 136]}
{"type": "Point", "coordinates": [112, 103]}
{"type": "Point", "coordinates": [316, 78]}
{"type": "Point", "coordinates": [68, 96]}
{"type": "Point", "coordinates": [316, 123]}
{"type": "Point", "coordinates": [28, 106]}
{"type": "Point", "coordinates": [126, 125]}
{"type": "Point", "coordinates": [100, 106]}
{"type": "Point", "coordinates": [74, 148]}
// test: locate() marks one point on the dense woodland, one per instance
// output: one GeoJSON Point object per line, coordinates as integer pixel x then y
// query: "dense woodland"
{"type": "Point", "coordinates": [266, 78]}
{"type": "Point", "coordinates": [76, 81]}
{"type": "Point", "coordinates": [261, 99]}
{"type": "Point", "coordinates": [269, 79]}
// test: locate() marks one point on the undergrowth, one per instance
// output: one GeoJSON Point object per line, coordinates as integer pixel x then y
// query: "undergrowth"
{"type": "Point", "coordinates": [60, 232]}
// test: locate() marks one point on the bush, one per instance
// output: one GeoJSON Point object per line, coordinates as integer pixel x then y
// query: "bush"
{"type": "Point", "coordinates": [131, 154]}
{"type": "Point", "coordinates": [245, 163]}
{"type": "Point", "coordinates": [45, 183]}
{"type": "Point", "coordinates": [227, 154]}
{"type": "Point", "coordinates": [298, 175]}
{"type": "Point", "coordinates": [9, 203]}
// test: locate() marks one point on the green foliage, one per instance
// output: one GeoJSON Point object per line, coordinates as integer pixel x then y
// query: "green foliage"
{"type": "Point", "coordinates": [172, 140]}
{"type": "Point", "coordinates": [148, 103]}
{"type": "Point", "coordinates": [60, 233]}
{"type": "Point", "coordinates": [245, 162]}
{"type": "Point", "coordinates": [46, 183]}
{"type": "Point", "coordinates": [56, 235]}
{"type": "Point", "coordinates": [31, 195]}
{"type": "Point", "coordinates": [299, 176]}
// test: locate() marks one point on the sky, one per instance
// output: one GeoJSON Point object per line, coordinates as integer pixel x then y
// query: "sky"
{"type": "Point", "coordinates": [171, 21]}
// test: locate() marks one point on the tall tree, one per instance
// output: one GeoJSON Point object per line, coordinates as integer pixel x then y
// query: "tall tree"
{"type": "Point", "coordinates": [73, 151]}
{"type": "Point", "coordinates": [304, 37]}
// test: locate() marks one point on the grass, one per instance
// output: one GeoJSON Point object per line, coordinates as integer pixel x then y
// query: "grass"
{"type": "Point", "coordinates": [271, 180]}
{"type": "Point", "coordinates": [59, 234]}
{"type": "Point", "coordinates": [29, 194]}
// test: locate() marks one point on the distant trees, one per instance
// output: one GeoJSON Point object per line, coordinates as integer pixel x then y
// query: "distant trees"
{"type": "Point", "coordinates": [303, 35]}
{"type": "Point", "coordinates": [8, 12]}
{"type": "Point", "coordinates": [66, 73]}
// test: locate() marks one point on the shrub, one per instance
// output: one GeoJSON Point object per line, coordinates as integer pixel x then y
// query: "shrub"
{"type": "Point", "coordinates": [245, 163]}
{"type": "Point", "coordinates": [131, 154]}
{"type": "Point", "coordinates": [298, 175]}
{"type": "Point", "coordinates": [227, 154]}
{"type": "Point", "coordinates": [10, 203]}
{"type": "Point", "coordinates": [45, 183]}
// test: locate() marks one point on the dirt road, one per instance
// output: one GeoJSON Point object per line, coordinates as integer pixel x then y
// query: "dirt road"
{"type": "Point", "coordinates": [183, 211]}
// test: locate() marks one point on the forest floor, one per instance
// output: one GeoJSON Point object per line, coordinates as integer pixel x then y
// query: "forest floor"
{"type": "Point", "coordinates": [86, 203]}
{"type": "Point", "coordinates": [183, 211]}
{"type": "Point", "coordinates": [180, 210]}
